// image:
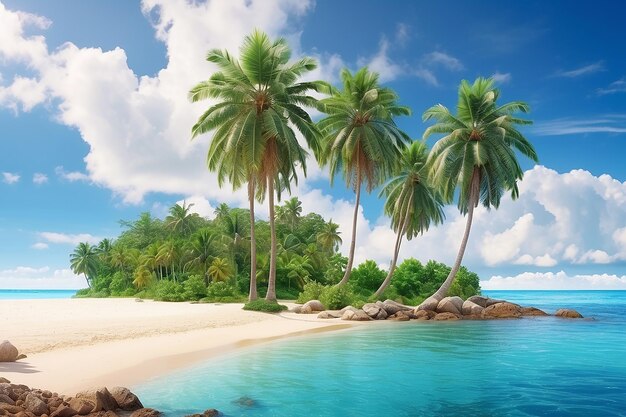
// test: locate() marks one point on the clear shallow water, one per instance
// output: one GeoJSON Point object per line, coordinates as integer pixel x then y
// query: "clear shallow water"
{"type": "Point", "coordinates": [528, 367]}
{"type": "Point", "coordinates": [35, 294]}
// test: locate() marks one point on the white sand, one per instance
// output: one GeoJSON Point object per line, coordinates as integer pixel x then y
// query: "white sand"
{"type": "Point", "coordinates": [73, 344]}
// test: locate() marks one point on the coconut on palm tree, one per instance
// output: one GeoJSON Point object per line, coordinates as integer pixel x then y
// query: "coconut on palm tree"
{"type": "Point", "coordinates": [259, 99]}
{"type": "Point", "coordinates": [412, 203]}
{"type": "Point", "coordinates": [360, 137]}
{"type": "Point", "coordinates": [84, 260]}
{"type": "Point", "coordinates": [476, 159]}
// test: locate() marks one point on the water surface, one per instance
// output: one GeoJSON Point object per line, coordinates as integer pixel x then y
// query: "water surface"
{"type": "Point", "coordinates": [35, 294]}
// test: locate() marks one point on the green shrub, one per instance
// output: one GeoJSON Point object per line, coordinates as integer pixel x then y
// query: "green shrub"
{"type": "Point", "coordinates": [264, 306]}
{"type": "Point", "coordinates": [168, 291]}
{"type": "Point", "coordinates": [334, 297]}
{"type": "Point", "coordinates": [85, 292]}
{"type": "Point", "coordinates": [312, 291]}
{"type": "Point", "coordinates": [286, 294]}
{"type": "Point", "coordinates": [367, 277]}
{"type": "Point", "coordinates": [119, 283]}
{"type": "Point", "coordinates": [129, 292]}
{"type": "Point", "coordinates": [406, 278]}
{"type": "Point", "coordinates": [194, 288]}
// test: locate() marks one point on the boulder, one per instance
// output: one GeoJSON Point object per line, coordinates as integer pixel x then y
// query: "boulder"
{"type": "Point", "coordinates": [146, 412]}
{"type": "Point", "coordinates": [446, 316]}
{"type": "Point", "coordinates": [375, 311]}
{"type": "Point", "coordinates": [125, 399]}
{"type": "Point", "coordinates": [424, 314]}
{"type": "Point", "coordinates": [4, 380]}
{"type": "Point", "coordinates": [8, 408]}
{"type": "Point", "coordinates": [82, 406]}
{"type": "Point", "coordinates": [306, 310]}
{"type": "Point", "coordinates": [400, 316]}
{"type": "Point", "coordinates": [483, 301]}
{"type": "Point", "coordinates": [346, 308]}
{"type": "Point", "coordinates": [211, 412]}
{"type": "Point", "coordinates": [64, 410]}
{"type": "Point", "coordinates": [296, 309]}
{"type": "Point", "coordinates": [35, 405]}
{"type": "Point", "coordinates": [450, 305]}
{"type": "Point", "coordinates": [357, 315]}
{"type": "Point", "coordinates": [392, 307]}
{"type": "Point", "coordinates": [6, 399]}
{"type": "Point", "coordinates": [532, 311]}
{"type": "Point", "coordinates": [314, 305]}
{"type": "Point", "coordinates": [329, 314]}
{"type": "Point", "coordinates": [8, 352]}
{"type": "Point", "coordinates": [429, 304]}
{"type": "Point", "coordinates": [101, 397]}
{"type": "Point", "coordinates": [502, 311]}
{"type": "Point", "coordinates": [470, 308]}
{"type": "Point", "coordinates": [568, 313]}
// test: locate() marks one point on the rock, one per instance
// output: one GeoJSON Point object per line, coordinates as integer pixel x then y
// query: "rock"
{"type": "Point", "coordinates": [64, 410]}
{"type": "Point", "coordinates": [502, 311]}
{"type": "Point", "coordinates": [211, 412]}
{"type": "Point", "coordinates": [146, 412]}
{"type": "Point", "coordinates": [356, 315]}
{"type": "Point", "coordinates": [82, 406]}
{"type": "Point", "coordinates": [54, 402]}
{"type": "Point", "coordinates": [446, 316]}
{"type": "Point", "coordinates": [315, 305]}
{"type": "Point", "coordinates": [35, 405]}
{"type": "Point", "coordinates": [4, 380]}
{"type": "Point", "coordinates": [138, 300]}
{"type": "Point", "coordinates": [478, 299]}
{"type": "Point", "coordinates": [400, 316]}
{"type": "Point", "coordinates": [296, 309]}
{"type": "Point", "coordinates": [14, 409]}
{"type": "Point", "coordinates": [21, 356]}
{"type": "Point", "coordinates": [8, 352]}
{"type": "Point", "coordinates": [306, 310]}
{"type": "Point", "coordinates": [101, 397]}
{"type": "Point", "coordinates": [6, 399]}
{"type": "Point", "coordinates": [450, 305]}
{"type": "Point", "coordinates": [329, 314]}
{"type": "Point", "coordinates": [471, 308]}
{"type": "Point", "coordinates": [424, 314]}
{"type": "Point", "coordinates": [105, 414]}
{"type": "Point", "coordinates": [375, 311]}
{"type": "Point", "coordinates": [532, 311]}
{"type": "Point", "coordinates": [245, 401]}
{"type": "Point", "coordinates": [429, 304]}
{"type": "Point", "coordinates": [346, 308]}
{"type": "Point", "coordinates": [125, 399]}
{"type": "Point", "coordinates": [568, 313]}
{"type": "Point", "coordinates": [392, 307]}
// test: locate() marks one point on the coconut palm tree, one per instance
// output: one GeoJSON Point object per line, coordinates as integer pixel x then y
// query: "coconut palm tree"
{"type": "Point", "coordinates": [180, 218]}
{"type": "Point", "coordinates": [412, 203]}
{"type": "Point", "coordinates": [476, 159]}
{"type": "Point", "coordinates": [328, 237]}
{"type": "Point", "coordinates": [167, 255]}
{"type": "Point", "coordinates": [143, 277]}
{"type": "Point", "coordinates": [204, 249]}
{"type": "Point", "coordinates": [221, 212]}
{"type": "Point", "coordinates": [290, 212]}
{"type": "Point", "coordinates": [84, 260]}
{"type": "Point", "coordinates": [219, 270]}
{"type": "Point", "coordinates": [360, 137]}
{"type": "Point", "coordinates": [259, 100]}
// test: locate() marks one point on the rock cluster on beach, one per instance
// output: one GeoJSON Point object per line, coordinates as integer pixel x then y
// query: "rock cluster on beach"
{"type": "Point", "coordinates": [449, 308]}
{"type": "Point", "coordinates": [21, 401]}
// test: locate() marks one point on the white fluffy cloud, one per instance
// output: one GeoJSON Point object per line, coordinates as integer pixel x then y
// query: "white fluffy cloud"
{"type": "Point", "coordinates": [555, 281]}
{"type": "Point", "coordinates": [40, 246]}
{"type": "Point", "coordinates": [26, 277]}
{"type": "Point", "coordinates": [39, 178]}
{"type": "Point", "coordinates": [72, 239]}
{"type": "Point", "coordinates": [10, 178]}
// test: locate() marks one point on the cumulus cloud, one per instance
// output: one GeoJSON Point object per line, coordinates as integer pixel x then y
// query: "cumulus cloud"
{"type": "Point", "coordinates": [10, 178]}
{"type": "Point", "coordinates": [65, 238]}
{"type": "Point", "coordinates": [40, 246]}
{"type": "Point", "coordinates": [39, 178]}
{"type": "Point", "coordinates": [26, 277]}
{"type": "Point", "coordinates": [555, 281]}
{"type": "Point", "coordinates": [501, 78]}
{"type": "Point", "coordinates": [71, 176]}
{"type": "Point", "coordinates": [438, 58]}
{"type": "Point", "coordinates": [381, 63]}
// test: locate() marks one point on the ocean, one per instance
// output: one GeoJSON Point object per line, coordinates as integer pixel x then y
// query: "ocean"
{"type": "Point", "coordinates": [35, 294]}
{"type": "Point", "coordinates": [542, 366]}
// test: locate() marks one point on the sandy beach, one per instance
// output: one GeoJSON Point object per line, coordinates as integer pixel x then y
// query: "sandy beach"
{"type": "Point", "coordinates": [73, 344]}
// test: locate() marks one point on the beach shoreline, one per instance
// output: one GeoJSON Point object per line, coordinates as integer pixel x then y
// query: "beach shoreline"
{"type": "Point", "coordinates": [75, 344]}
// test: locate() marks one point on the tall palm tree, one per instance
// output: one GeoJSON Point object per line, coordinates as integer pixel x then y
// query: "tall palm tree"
{"type": "Point", "coordinates": [259, 99]}
{"type": "Point", "coordinates": [360, 137]}
{"type": "Point", "coordinates": [329, 237]}
{"type": "Point", "coordinates": [143, 277]}
{"type": "Point", "coordinates": [167, 256]}
{"type": "Point", "coordinates": [412, 203]}
{"type": "Point", "coordinates": [476, 156]}
{"type": "Point", "coordinates": [179, 219]}
{"type": "Point", "coordinates": [204, 249]}
{"type": "Point", "coordinates": [291, 211]}
{"type": "Point", "coordinates": [84, 260]}
{"type": "Point", "coordinates": [221, 212]}
{"type": "Point", "coordinates": [234, 237]}
{"type": "Point", "coordinates": [104, 250]}
{"type": "Point", "coordinates": [149, 259]}
{"type": "Point", "coordinates": [219, 270]}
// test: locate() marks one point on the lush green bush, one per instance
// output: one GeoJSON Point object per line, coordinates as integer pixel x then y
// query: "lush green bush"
{"type": "Point", "coordinates": [222, 292]}
{"type": "Point", "coordinates": [334, 297]}
{"type": "Point", "coordinates": [406, 279]}
{"type": "Point", "coordinates": [312, 291]}
{"type": "Point", "coordinates": [119, 283]}
{"type": "Point", "coordinates": [367, 277]}
{"type": "Point", "coordinates": [264, 306]}
{"type": "Point", "coordinates": [194, 288]}
{"type": "Point", "coordinates": [287, 294]}
{"type": "Point", "coordinates": [466, 284]}
{"type": "Point", "coordinates": [168, 291]}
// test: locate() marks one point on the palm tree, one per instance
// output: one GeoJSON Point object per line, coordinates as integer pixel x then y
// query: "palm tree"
{"type": "Point", "coordinates": [104, 250]}
{"type": "Point", "coordinates": [329, 237]}
{"type": "Point", "coordinates": [258, 102]}
{"type": "Point", "coordinates": [167, 256]}
{"type": "Point", "coordinates": [149, 258]}
{"type": "Point", "coordinates": [360, 137]}
{"type": "Point", "coordinates": [221, 212]}
{"type": "Point", "coordinates": [179, 219]}
{"type": "Point", "coordinates": [412, 203]}
{"type": "Point", "coordinates": [234, 237]}
{"type": "Point", "coordinates": [476, 155]}
{"type": "Point", "coordinates": [143, 277]}
{"type": "Point", "coordinates": [219, 270]}
{"type": "Point", "coordinates": [84, 260]}
{"type": "Point", "coordinates": [290, 212]}
{"type": "Point", "coordinates": [204, 248]}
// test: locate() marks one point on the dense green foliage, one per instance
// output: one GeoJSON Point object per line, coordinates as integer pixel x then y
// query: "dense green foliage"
{"type": "Point", "coordinates": [264, 306]}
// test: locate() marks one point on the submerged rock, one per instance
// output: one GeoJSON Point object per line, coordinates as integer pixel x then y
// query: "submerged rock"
{"type": "Point", "coordinates": [568, 313]}
{"type": "Point", "coordinates": [211, 412]}
{"type": "Point", "coordinates": [146, 412]}
{"type": "Point", "coordinates": [245, 401]}
{"type": "Point", "coordinates": [533, 311]}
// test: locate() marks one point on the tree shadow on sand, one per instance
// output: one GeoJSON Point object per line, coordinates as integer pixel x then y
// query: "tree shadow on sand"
{"type": "Point", "coordinates": [17, 367]}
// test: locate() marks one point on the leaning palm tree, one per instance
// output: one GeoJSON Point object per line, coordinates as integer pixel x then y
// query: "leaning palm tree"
{"type": "Point", "coordinates": [476, 156]}
{"type": "Point", "coordinates": [259, 99]}
{"type": "Point", "coordinates": [412, 203]}
{"type": "Point", "coordinates": [84, 260]}
{"type": "Point", "coordinates": [360, 137]}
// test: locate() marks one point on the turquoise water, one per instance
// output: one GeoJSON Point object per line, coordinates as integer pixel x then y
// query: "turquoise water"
{"type": "Point", "coordinates": [528, 367]}
{"type": "Point", "coordinates": [35, 294]}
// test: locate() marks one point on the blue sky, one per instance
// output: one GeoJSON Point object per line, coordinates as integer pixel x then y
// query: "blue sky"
{"type": "Point", "coordinates": [95, 122]}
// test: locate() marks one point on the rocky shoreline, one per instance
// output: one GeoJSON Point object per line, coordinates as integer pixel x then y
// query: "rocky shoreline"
{"type": "Point", "coordinates": [449, 308]}
{"type": "Point", "coordinates": [21, 401]}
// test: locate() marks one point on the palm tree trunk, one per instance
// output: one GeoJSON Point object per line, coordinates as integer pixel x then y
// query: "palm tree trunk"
{"type": "Point", "coordinates": [392, 267]}
{"type": "Point", "coordinates": [473, 202]}
{"type": "Point", "coordinates": [253, 293]}
{"type": "Point", "coordinates": [346, 275]}
{"type": "Point", "coordinates": [87, 279]}
{"type": "Point", "coordinates": [271, 283]}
